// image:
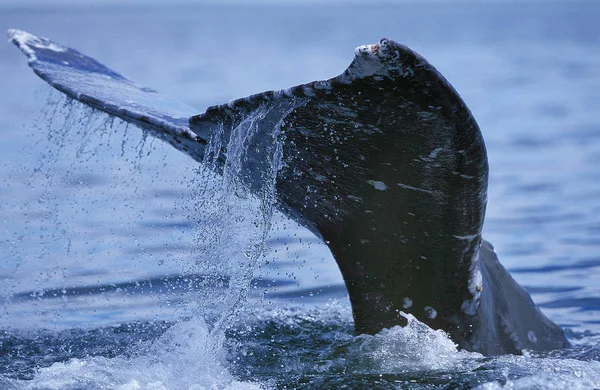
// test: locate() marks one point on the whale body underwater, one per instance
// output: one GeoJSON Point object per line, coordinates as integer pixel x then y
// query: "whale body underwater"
{"type": "Point", "coordinates": [385, 163]}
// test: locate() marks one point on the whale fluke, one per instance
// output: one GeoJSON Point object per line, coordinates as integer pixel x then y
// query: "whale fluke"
{"type": "Point", "coordinates": [384, 162]}
{"type": "Point", "coordinates": [84, 79]}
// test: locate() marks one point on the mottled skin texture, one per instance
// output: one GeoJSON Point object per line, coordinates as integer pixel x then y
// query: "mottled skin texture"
{"type": "Point", "coordinates": [384, 162]}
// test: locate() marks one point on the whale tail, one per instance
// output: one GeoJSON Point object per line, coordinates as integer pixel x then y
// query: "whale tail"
{"type": "Point", "coordinates": [84, 79]}
{"type": "Point", "coordinates": [384, 162]}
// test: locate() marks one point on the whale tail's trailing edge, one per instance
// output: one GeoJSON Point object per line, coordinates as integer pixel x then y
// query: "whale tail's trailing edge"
{"type": "Point", "coordinates": [384, 162]}
{"type": "Point", "coordinates": [84, 79]}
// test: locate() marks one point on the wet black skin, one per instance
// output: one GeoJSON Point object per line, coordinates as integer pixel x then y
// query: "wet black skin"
{"type": "Point", "coordinates": [391, 172]}
{"type": "Point", "coordinates": [388, 167]}
{"type": "Point", "coordinates": [397, 244]}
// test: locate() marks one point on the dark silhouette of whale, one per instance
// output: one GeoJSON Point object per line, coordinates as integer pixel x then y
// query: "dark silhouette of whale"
{"type": "Point", "coordinates": [384, 162]}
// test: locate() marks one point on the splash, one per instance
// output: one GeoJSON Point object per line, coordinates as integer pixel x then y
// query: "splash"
{"type": "Point", "coordinates": [414, 347]}
{"type": "Point", "coordinates": [232, 226]}
{"type": "Point", "coordinates": [235, 208]}
{"type": "Point", "coordinates": [292, 347]}
{"type": "Point", "coordinates": [182, 358]}
{"type": "Point", "coordinates": [43, 189]}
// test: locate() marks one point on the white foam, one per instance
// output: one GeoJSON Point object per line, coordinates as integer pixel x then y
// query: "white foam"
{"type": "Point", "coordinates": [184, 357]}
{"type": "Point", "coordinates": [546, 373]}
{"type": "Point", "coordinates": [540, 382]}
{"type": "Point", "coordinates": [414, 347]}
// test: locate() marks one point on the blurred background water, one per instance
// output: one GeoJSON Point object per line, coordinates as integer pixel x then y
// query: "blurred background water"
{"type": "Point", "coordinates": [107, 274]}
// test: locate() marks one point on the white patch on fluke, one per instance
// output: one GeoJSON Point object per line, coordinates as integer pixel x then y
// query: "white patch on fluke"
{"type": "Point", "coordinates": [464, 176]}
{"type": "Point", "coordinates": [532, 336]}
{"type": "Point", "coordinates": [26, 41]}
{"type": "Point", "coordinates": [319, 177]}
{"type": "Point", "coordinates": [435, 152]}
{"type": "Point", "coordinates": [470, 306]}
{"type": "Point", "coordinates": [430, 312]}
{"type": "Point", "coordinates": [354, 198]}
{"type": "Point", "coordinates": [469, 237]}
{"type": "Point", "coordinates": [510, 332]}
{"type": "Point", "coordinates": [378, 185]}
{"type": "Point", "coordinates": [366, 63]}
{"type": "Point", "coordinates": [414, 188]}
{"type": "Point", "coordinates": [308, 91]}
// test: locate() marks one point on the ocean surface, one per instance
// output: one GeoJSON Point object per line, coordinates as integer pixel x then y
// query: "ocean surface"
{"type": "Point", "coordinates": [125, 265]}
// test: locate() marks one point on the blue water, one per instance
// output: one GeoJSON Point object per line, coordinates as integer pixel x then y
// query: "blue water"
{"type": "Point", "coordinates": [120, 267]}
